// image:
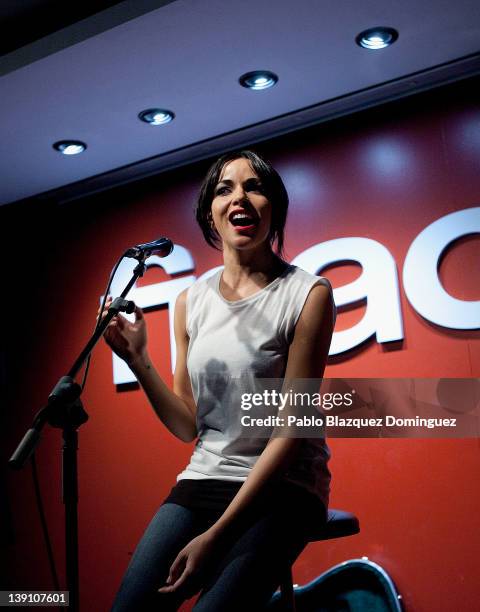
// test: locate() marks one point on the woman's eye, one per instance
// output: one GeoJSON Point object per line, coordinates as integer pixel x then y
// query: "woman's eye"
{"type": "Point", "coordinates": [225, 189]}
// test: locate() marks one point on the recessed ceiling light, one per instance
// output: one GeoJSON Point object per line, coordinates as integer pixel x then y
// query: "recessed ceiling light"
{"type": "Point", "coordinates": [258, 79]}
{"type": "Point", "coordinates": [70, 147]}
{"type": "Point", "coordinates": [377, 38]}
{"type": "Point", "coordinates": [156, 116]}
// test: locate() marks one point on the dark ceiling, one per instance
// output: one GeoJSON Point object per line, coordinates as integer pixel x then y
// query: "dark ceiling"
{"type": "Point", "coordinates": [84, 71]}
{"type": "Point", "coordinates": [26, 21]}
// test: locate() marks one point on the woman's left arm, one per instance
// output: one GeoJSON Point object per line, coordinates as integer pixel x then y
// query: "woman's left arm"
{"type": "Point", "coordinates": [307, 357]}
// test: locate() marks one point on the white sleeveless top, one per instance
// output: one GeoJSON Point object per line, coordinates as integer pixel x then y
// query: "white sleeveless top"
{"type": "Point", "coordinates": [230, 345]}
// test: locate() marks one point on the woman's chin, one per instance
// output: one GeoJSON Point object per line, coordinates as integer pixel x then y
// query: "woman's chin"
{"type": "Point", "coordinates": [244, 242]}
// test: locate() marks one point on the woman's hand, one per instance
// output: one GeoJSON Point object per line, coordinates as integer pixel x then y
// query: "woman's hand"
{"type": "Point", "coordinates": [189, 561]}
{"type": "Point", "coordinates": [128, 340]}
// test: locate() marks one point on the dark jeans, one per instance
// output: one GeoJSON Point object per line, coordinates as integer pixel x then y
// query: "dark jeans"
{"type": "Point", "coordinates": [242, 578]}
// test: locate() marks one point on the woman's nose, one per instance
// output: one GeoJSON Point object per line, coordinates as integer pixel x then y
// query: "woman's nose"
{"type": "Point", "coordinates": [239, 194]}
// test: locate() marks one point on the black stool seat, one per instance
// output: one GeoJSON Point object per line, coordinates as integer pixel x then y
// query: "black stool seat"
{"type": "Point", "coordinates": [339, 524]}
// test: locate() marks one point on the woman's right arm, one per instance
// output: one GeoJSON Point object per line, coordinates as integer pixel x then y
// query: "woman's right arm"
{"type": "Point", "coordinates": [176, 409]}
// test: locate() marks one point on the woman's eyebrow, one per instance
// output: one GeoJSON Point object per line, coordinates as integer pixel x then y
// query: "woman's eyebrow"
{"type": "Point", "coordinates": [252, 179]}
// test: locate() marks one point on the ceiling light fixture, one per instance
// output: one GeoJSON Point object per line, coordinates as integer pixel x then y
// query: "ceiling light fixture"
{"type": "Point", "coordinates": [377, 38]}
{"type": "Point", "coordinates": [258, 79]}
{"type": "Point", "coordinates": [70, 147]}
{"type": "Point", "coordinates": [156, 116]}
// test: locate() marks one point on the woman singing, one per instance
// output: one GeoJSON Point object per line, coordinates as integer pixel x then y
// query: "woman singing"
{"type": "Point", "coordinates": [240, 510]}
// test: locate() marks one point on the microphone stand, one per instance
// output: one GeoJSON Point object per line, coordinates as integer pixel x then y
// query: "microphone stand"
{"type": "Point", "coordinates": [64, 410]}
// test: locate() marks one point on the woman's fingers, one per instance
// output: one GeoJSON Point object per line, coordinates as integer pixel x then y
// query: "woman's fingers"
{"type": "Point", "coordinates": [176, 568]}
{"type": "Point", "coordinates": [126, 338]}
{"type": "Point", "coordinates": [117, 320]}
{"type": "Point", "coordinates": [138, 313]}
{"type": "Point", "coordinates": [120, 321]}
{"type": "Point", "coordinates": [177, 584]}
{"type": "Point", "coordinates": [108, 303]}
{"type": "Point", "coordinates": [177, 575]}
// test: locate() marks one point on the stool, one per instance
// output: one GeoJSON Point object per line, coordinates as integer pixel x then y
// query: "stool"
{"type": "Point", "coordinates": [339, 525]}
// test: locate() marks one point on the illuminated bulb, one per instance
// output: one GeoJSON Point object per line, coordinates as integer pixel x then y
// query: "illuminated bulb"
{"type": "Point", "coordinates": [376, 38]}
{"type": "Point", "coordinates": [156, 116]}
{"type": "Point", "coordinates": [258, 79]}
{"type": "Point", "coordinates": [70, 147]}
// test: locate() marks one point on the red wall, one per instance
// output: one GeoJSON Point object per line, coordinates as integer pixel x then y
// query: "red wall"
{"type": "Point", "coordinates": [384, 174]}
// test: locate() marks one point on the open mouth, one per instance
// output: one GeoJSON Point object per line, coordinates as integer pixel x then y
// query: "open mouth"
{"type": "Point", "coordinates": [243, 220]}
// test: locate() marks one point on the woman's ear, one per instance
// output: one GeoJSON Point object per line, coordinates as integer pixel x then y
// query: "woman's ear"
{"type": "Point", "coordinates": [210, 220]}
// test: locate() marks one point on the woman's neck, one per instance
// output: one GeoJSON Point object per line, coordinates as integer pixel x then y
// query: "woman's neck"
{"type": "Point", "coordinates": [244, 268]}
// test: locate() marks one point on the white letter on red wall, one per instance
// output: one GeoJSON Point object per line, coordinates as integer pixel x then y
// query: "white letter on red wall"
{"type": "Point", "coordinates": [378, 283]}
{"type": "Point", "coordinates": [420, 272]}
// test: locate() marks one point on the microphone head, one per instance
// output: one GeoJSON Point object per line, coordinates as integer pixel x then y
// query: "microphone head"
{"type": "Point", "coordinates": [160, 247]}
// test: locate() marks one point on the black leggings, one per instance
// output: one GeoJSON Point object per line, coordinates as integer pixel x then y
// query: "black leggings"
{"type": "Point", "coordinates": [243, 577]}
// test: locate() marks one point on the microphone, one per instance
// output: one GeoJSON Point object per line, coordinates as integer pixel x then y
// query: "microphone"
{"type": "Point", "coordinates": [161, 247]}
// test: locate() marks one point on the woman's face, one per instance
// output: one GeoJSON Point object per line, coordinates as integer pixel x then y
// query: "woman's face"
{"type": "Point", "coordinates": [241, 213]}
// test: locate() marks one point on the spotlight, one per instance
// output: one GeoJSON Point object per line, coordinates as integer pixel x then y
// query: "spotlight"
{"type": "Point", "coordinates": [70, 147]}
{"type": "Point", "coordinates": [258, 79]}
{"type": "Point", "coordinates": [156, 116]}
{"type": "Point", "coordinates": [377, 38]}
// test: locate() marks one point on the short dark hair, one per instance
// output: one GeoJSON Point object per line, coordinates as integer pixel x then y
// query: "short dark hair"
{"type": "Point", "coordinates": [273, 188]}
